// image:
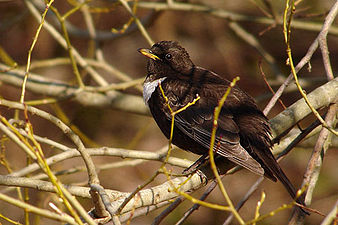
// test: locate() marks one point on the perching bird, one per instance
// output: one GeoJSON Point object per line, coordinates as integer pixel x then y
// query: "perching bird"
{"type": "Point", "coordinates": [243, 132]}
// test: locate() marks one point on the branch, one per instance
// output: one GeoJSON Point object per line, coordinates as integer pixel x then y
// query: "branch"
{"type": "Point", "coordinates": [220, 13]}
{"type": "Point", "coordinates": [320, 97]}
{"type": "Point", "coordinates": [104, 151]}
{"type": "Point", "coordinates": [42, 212]}
{"type": "Point", "coordinates": [148, 197]}
{"type": "Point", "coordinates": [315, 163]}
{"type": "Point", "coordinates": [60, 90]}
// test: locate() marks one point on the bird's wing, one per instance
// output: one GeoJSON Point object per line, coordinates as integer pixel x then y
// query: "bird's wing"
{"type": "Point", "coordinates": [197, 123]}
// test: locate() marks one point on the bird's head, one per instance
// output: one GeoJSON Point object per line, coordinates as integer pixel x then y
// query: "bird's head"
{"type": "Point", "coordinates": [168, 59]}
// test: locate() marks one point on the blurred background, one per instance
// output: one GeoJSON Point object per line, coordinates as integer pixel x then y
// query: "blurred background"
{"type": "Point", "coordinates": [213, 41]}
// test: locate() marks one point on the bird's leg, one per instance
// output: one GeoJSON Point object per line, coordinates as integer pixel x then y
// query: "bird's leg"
{"type": "Point", "coordinates": [196, 165]}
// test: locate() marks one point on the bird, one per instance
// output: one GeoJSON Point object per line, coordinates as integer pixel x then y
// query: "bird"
{"type": "Point", "coordinates": [243, 133]}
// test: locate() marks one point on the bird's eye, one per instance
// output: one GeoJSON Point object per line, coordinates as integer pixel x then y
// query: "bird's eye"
{"type": "Point", "coordinates": [168, 56]}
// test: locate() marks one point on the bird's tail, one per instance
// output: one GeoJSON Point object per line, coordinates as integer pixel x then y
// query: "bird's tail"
{"type": "Point", "coordinates": [272, 170]}
{"type": "Point", "coordinates": [278, 172]}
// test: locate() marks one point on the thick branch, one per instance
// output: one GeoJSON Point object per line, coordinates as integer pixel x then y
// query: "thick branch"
{"type": "Point", "coordinates": [320, 97]}
{"type": "Point", "coordinates": [145, 197]}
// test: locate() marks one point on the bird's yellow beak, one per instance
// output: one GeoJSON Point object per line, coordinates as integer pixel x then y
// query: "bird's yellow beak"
{"type": "Point", "coordinates": [148, 53]}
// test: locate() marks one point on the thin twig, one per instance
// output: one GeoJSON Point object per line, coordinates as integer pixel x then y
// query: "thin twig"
{"type": "Point", "coordinates": [35, 39]}
{"type": "Point", "coordinates": [270, 88]}
{"type": "Point", "coordinates": [332, 216]}
{"type": "Point", "coordinates": [221, 13]}
{"type": "Point", "coordinates": [69, 46]}
{"type": "Point", "coordinates": [323, 40]}
{"type": "Point", "coordinates": [211, 151]}
{"type": "Point", "coordinates": [43, 212]}
{"type": "Point", "coordinates": [195, 207]}
{"type": "Point", "coordinates": [314, 165]}
{"type": "Point", "coordinates": [158, 219]}
{"type": "Point", "coordinates": [299, 138]}
{"type": "Point", "coordinates": [60, 39]}
{"type": "Point", "coordinates": [239, 205]}
{"type": "Point", "coordinates": [253, 41]}
{"type": "Point", "coordinates": [60, 90]}
{"type": "Point", "coordinates": [65, 129]}
{"type": "Point", "coordinates": [287, 34]}
{"type": "Point", "coordinates": [138, 23]}
{"type": "Point", "coordinates": [298, 110]}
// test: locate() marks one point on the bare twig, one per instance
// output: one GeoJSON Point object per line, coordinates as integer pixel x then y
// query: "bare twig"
{"type": "Point", "coordinates": [31, 50]}
{"type": "Point", "coordinates": [287, 81]}
{"type": "Point", "coordinates": [252, 189]}
{"type": "Point", "coordinates": [60, 90]}
{"type": "Point", "coordinates": [80, 147]}
{"type": "Point", "coordinates": [299, 138]}
{"type": "Point", "coordinates": [306, 59]}
{"type": "Point", "coordinates": [211, 151]}
{"type": "Point", "coordinates": [287, 34]}
{"type": "Point", "coordinates": [221, 13]}
{"type": "Point", "coordinates": [138, 23]}
{"type": "Point", "coordinates": [60, 39]}
{"type": "Point", "coordinates": [323, 40]}
{"type": "Point", "coordinates": [270, 88]}
{"type": "Point", "coordinates": [312, 171]}
{"type": "Point", "coordinates": [168, 210]}
{"type": "Point", "coordinates": [195, 207]}
{"type": "Point", "coordinates": [332, 216]}
{"type": "Point", "coordinates": [43, 212]}
{"type": "Point", "coordinates": [253, 41]}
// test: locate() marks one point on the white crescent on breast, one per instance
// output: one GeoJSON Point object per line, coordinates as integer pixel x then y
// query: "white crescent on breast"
{"type": "Point", "coordinates": [149, 88]}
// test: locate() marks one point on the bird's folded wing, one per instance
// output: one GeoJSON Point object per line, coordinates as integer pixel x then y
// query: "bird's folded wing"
{"type": "Point", "coordinates": [197, 123]}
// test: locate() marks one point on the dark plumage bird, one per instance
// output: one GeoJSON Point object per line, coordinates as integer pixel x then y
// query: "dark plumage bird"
{"type": "Point", "coordinates": [243, 132]}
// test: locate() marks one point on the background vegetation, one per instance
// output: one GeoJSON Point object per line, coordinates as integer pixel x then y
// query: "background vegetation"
{"type": "Point", "coordinates": [71, 80]}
